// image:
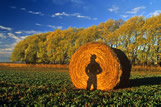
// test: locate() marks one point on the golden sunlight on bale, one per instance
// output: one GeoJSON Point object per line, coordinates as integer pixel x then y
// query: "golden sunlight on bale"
{"type": "Point", "coordinates": [97, 66]}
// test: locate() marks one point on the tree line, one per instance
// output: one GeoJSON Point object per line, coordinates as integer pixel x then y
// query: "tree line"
{"type": "Point", "coordinates": [138, 37]}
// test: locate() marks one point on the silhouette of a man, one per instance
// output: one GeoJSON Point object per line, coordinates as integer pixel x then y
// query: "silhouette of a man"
{"type": "Point", "coordinates": [92, 70]}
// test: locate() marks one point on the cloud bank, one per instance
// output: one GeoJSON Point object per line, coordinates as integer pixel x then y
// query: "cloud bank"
{"type": "Point", "coordinates": [155, 13]}
{"type": "Point", "coordinates": [73, 14]}
{"type": "Point", "coordinates": [114, 8]}
{"type": "Point", "coordinates": [5, 28]}
{"type": "Point", "coordinates": [135, 10]}
{"type": "Point", "coordinates": [28, 11]}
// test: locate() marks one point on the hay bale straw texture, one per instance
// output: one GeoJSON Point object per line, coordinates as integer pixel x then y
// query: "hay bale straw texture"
{"type": "Point", "coordinates": [97, 66]}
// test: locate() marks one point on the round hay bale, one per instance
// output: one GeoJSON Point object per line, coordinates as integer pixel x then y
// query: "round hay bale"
{"type": "Point", "coordinates": [125, 65]}
{"type": "Point", "coordinates": [97, 66]}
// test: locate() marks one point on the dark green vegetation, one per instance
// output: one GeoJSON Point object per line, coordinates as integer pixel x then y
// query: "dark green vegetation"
{"type": "Point", "coordinates": [138, 38]}
{"type": "Point", "coordinates": [50, 86]}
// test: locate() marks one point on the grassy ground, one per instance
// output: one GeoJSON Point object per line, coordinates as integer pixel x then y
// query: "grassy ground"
{"type": "Point", "coordinates": [36, 86]}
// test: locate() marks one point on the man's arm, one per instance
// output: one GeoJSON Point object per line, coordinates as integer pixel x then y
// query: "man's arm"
{"type": "Point", "coordinates": [99, 69]}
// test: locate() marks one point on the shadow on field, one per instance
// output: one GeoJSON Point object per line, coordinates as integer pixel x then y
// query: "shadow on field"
{"type": "Point", "coordinates": [144, 81]}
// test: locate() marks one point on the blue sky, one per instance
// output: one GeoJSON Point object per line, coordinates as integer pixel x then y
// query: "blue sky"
{"type": "Point", "coordinates": [21, 18]}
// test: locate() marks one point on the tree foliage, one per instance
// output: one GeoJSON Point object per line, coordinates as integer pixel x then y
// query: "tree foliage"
{"type": "Point", "coordinates": [138, 37]}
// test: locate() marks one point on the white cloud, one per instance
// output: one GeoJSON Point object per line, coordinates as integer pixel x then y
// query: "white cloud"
{"type": "Point", "coordinates": [10, 47]}
{"type": "Point", "coordinates": [5, 53]}
{"type": "Point", "coordinates": [6, 45]}
{"type": "Point", "coordinates": [55, 27]}
{"type": "Point", "coordinates": [95, 18]}
{"type": "Point", "coordinates": [155, 13]}
{"type": "Point", "coordinates": [124, 16]}
{"type": "Point", "coordinates": [23, 9]}
{"type": "Point", "coordinates": [32, 32]}
{"type": "Point", "coordinates": [11, 35]}
{"type": "Point", "coordinates": [28, 32]}
{"type": "Point", "coordinates": [38, 24]}
{"type": "Point", "coordinates": [36, 13]}
{"type": "Point", "coordinates": [5, 28]}
{"type": "Point", "coordinates": [23, 37]}
{"type": "Point", "coordinates": [28, 11]}
{"type": "Point", "coordinates": [73, 14]}
{"type": "Point", "coordinates": [61, 14]}
{"type": "Point", "coordinates": [114, 8]}
{"type": "Point", "coordinates": [85, 17]}
{"type": "Point", "coordinates": [135, 10]}
{"type": "Point", "coordinates": [18, 32]}
{"type": "Point", "coordinates": [2, 35]}
{"type": "Point", "coordinates": [51, 26]}
{"type": "Point", "coordinates": [6, 49]}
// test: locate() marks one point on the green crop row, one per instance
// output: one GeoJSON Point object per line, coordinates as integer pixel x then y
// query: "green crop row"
{"type": "Point", "coordinates": [54, 88]}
